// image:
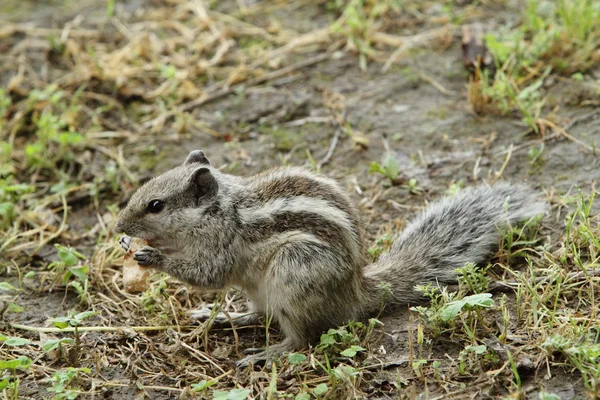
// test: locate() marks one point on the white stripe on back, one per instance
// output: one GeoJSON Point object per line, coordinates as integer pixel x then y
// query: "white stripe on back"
{"type": "Point", "coordinates": [297, 204]}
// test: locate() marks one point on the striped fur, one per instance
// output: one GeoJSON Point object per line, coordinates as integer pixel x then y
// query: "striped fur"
{"type": "Point", "coordinates": [296, 244]}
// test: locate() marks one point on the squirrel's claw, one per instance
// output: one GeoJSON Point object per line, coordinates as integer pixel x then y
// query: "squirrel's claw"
{"type": "Point", "coordinates": [264, 357]}
{"type": "Point", "coordinates": [260, 358]}
{"type": "Point", "coordinates": [125, 242]}
{"type": "Point", "coordinates": [148, 256]}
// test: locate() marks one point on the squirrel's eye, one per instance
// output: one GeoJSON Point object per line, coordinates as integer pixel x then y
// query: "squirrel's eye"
{"type": "Point", "coordinates": [155, 206]}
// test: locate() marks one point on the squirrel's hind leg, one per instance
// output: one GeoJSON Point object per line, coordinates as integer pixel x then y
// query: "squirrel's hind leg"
{"type": "Point", "coordinates": [221, 319]}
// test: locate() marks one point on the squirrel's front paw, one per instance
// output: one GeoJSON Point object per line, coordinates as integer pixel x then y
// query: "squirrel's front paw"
{"type": "Point", "coordinates": [148, 257]}
{"type": "Point", "coordinates": [125, 242]}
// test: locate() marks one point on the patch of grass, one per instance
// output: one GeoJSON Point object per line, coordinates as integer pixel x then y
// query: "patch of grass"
{"type": "Point", "coordinates": [554, 312]}
{"type": "Point", "coordinates": [358, 19]}
{"type": "Point", "coordinates": [382, 244]}
{"type": "Point", "coordinates": [554, 37]}
{"type": "Point", "coordinates": [284, 140]}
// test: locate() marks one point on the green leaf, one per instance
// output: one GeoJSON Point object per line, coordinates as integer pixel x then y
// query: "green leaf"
{"type": "Point", "coordinates": [352, 350]}
{"type": "Point", "coordinates": [54, 343]}
{"type": "Point", "coordinates": [327, 339]}
{"type": "Point", "coordinates": [67, 257]}
{"type": "Point", "coordinates": [29, 275]}
{"type": "Point", "coordinates": [480, 299]}
{"type": "Point", "coordinates": [84, 315]}
{"type": "Point", "coordinates": [14, 307]}
{"type": "Point", "coordinates": [392, 167]}
{"type": "Point", "coordinates": [302, 396]}
{"type": "Point", "coordinates": [548, 396]}
{"type": "Point", "coordinates": [21, 362]}
{"type": "Point", "coordinates": [477, 349]}
{"type": "Point", "coordinates": [6, 209]}
{"type": "Point", "coordinates": [376, 168]}
{"type": "Point", "coordinates": [296, 358]}
{"type": "Point", "coordinates": [70, 138]}
{"type": "Point", "coordinates": [16, 341]}
{"type": "Point", "coordinates": [61, 322]}
{"type": "Point", "coordinates": [80, 272]}
{"type": "Point", "coordinates": [452, 309]}
{"type": "Point", "coordinates": [7, 286]}
{"type": "Point", "coordinates": [235, 394]}
{"type": "Point", "coordinates": [498, 49]}
{"type": "Point", "coordinates": [203, 384]}
{"type": "Point", "coordinates": [77, 287]}
{"type": "Point", "coordinates": [4, 383]}
{"type": "Point", "coordinates": [320, 389]}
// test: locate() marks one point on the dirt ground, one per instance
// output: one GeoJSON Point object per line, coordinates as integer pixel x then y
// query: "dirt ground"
{"type": "Point", "coordinates": [418, 109]}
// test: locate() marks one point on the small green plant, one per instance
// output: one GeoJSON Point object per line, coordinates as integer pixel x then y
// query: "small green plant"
{"type": "Point", "coordinates": [390, 168]}
{"type": "Point", "coordinates": [57, 344]}
{"type": "Point", "coordinates": [446, 310]}
{"type": "Point", "coordinates": [346, 340]}
{"type": "Point", "coordinates": [64, 383]}
{"type": "Point", "coordinates": [203, 385]}
{"type": "Point", "coordinates": [296, 358]}
{"type": "Point", "coordinates": [11, 383]}
{"type": "Point", "coordinates": [473, 278]}
{"type": "Point", "coordinates": [11, 194]}
{"type": "Point", "coordinates": [582, 354]}
{"type": "Point", "coordinates": [21, 362]}
{"type": "Point", "coordinates": [412, 186]}
{"type": "Point", "coordinates": [454, 188]}
{"type": "Point", "coordinates": [518, 240]}
{"type": "Point", "coordinates": [67, 268]}
{"type": "Point", "coordinates": [454, 308]}
{"type": "Point", "coordinates": [5, 103]}
{"type": "Point", "coordinates": [234, 394]}
{"type": "Point", "coordinates": [382, 244]}
{"type": "Point", "coordinates": [548, 396]}
{"type": "Point", "coordinates": [14, 341]}
{"type": "Point", "coordinates": [110, 8]}
{"type": "Point", "coordinates": [468, 357]}
{"type": "Point", "coordinates": [302, 396]}
{"type": "Point", "coordinates": [417, 367]}
{"type": "Point", "coordinates": [73, 320]}
{"type": "Point", "coordinates": [535, 154]}
{"type": "Point", "coordinates": [320, 389]}
{"type": "Point", "coordinates": [150, 298]}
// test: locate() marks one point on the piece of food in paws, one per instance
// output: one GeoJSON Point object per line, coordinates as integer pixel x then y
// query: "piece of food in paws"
{"type": "Point", "coordinates": [135, 277]}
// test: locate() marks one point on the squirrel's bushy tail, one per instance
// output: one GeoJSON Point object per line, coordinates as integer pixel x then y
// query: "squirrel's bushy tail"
{"type": "Point", "coordinates": [445, 236]}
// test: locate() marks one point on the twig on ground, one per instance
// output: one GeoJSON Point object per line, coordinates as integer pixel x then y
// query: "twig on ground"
{"type": "Point", "coordinates": [332, 147]}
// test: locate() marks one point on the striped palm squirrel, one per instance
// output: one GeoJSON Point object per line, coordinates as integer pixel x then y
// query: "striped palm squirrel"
{"type": "Point", "coordinates": [295, 243]}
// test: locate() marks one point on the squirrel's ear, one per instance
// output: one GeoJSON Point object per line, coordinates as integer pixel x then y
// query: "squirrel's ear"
{"type": "Point", "coordinates": [203, 183]}
{"type": "Point", "coordinates": [196, 156]}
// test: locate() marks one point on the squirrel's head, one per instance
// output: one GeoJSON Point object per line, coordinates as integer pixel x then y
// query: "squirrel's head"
{"type": "Point", "coordinates": [158, 209]}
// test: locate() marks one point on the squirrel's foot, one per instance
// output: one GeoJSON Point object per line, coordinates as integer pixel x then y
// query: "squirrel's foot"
{"type": "Point", "coordinates": [149, 257]}
{"type": "Point", "coordinates": [125, 242]}
{"type": "Point", "coordinates": [221, 319]}
{"type": "Point", "coordinates": [266, 356]}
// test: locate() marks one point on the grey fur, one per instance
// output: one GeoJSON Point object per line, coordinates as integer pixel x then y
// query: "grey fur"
{"type": "Point", "coordinates": [294, 242]}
